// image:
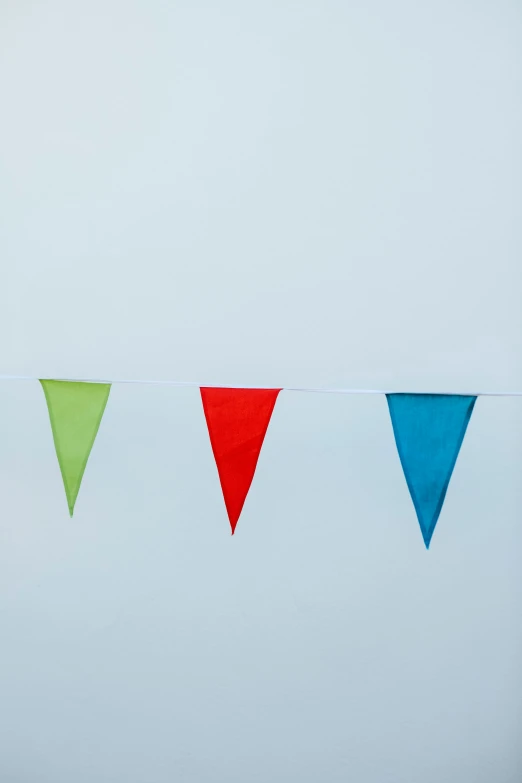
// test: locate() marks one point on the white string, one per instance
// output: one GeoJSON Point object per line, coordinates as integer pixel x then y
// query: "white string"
{"type": "Point", "coordinates": [226, 386]}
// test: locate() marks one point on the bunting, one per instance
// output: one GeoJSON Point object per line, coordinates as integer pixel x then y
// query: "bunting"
{"type": "Point", "coordinates": [75, 411]}
{"type": "Point", "coordinates": [429, 430]}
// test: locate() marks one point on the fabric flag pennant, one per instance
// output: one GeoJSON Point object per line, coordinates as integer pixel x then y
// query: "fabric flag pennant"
{"type": "Point", "coordinates": [237, 421]}
{"type": "Point", "coordinates": [429, 430]}
{"type": "Point", "coordinates": [75, 410]}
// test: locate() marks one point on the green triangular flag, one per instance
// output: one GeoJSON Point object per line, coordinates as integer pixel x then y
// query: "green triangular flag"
{"type": "Point", "coordinates": [75, 410]}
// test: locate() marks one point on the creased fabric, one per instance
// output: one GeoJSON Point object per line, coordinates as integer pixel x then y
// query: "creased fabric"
{"type": "Point", "coordinates": [429, 430]}
{"type": "Point", "coordinates": [237, 421]}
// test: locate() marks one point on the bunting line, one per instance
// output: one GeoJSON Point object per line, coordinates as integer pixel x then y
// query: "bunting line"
{"type": "Point", "coordinates": [311, 389]}
{"type": "Point", "coordinates": [429, 429]}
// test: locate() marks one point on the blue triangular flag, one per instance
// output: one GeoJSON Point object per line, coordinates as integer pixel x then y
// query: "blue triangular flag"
{"type": "Point", "coordinates": [429, 430]}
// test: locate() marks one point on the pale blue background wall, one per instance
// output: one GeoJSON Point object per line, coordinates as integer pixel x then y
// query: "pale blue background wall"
{"type": "Point", "coordinates": [323, 193]}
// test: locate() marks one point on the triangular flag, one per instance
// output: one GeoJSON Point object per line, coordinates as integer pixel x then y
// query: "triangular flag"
{"type": "Point", "coordinates": [429, 430]}
{"type": "Point", "coordinates": [75, 410]}
{"type": "Point", "coordinates": [237, 421]}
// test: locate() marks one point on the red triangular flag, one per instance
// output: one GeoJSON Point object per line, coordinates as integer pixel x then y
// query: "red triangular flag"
{"type": "Point", "coordinates": [237, 421]}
